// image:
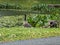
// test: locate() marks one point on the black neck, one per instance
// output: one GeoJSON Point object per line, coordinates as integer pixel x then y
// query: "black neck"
{"type": "Point", "coordinates": [25, 17]}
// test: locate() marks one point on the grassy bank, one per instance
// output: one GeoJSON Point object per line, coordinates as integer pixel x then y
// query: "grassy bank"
{"type": "Point", "coordinates": [29, 3]}
{"type": "Point", "coordinates": [21, 33]}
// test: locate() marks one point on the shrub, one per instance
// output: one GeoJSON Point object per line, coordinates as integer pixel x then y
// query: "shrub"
{"type": "Point", "coordinates": [41, 19]}
{"type": "Point", "coordinates": [38, 20]}
{"type": "Point", "coordinates": [10, 21]}
{"type": "Point", "coordinates": [10, 6]}
{"type": "Point", "coordinates": [43, 8]}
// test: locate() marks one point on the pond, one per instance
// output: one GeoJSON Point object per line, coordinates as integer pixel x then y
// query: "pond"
{"type": "Point", "coordinates": [9, 12]}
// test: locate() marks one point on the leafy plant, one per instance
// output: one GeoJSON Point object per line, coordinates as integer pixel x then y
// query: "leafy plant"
{"type": "Point", "coordinates": [43, 8]}
{"type": "Point", "coordinates": [10, 21]}
{"type": "Point", "coordinates": [40, 20]}
{"type": "Point", "coordinates": [9, 6]}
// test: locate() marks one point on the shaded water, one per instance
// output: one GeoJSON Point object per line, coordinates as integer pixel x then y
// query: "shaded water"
{"type": "Point", "coordinates": [17, 12]}
{"type": "Point", "coordinates": [9, 12]}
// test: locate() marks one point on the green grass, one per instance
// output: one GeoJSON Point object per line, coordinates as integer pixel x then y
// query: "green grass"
{"type": "Point", "coordinates": [29, 3]}
{"type": "Point", "coordinates": [21, 33]}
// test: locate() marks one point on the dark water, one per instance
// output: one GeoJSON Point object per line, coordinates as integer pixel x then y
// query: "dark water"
{"type": "Point", "coordinates": [17, 12]}
{"type": "Point", "coordinates": [9, 12]}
